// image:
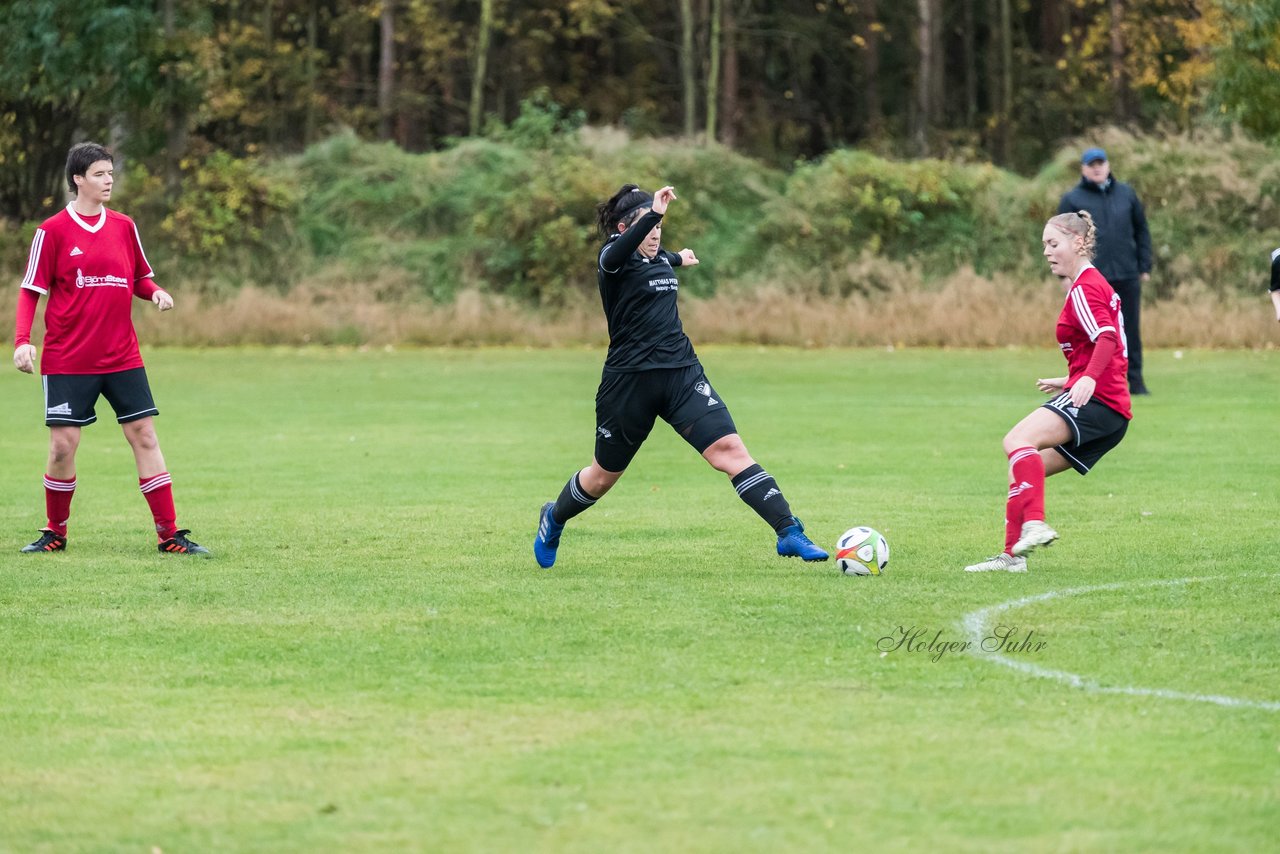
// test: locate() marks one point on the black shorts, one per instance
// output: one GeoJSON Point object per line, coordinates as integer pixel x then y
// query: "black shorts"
{"type": "Point", "coordinates": [628, 403]}
{"type": "Point", "coordinates": [69, 398]}
{"type": "Point", "coordinates": [1097, 428]}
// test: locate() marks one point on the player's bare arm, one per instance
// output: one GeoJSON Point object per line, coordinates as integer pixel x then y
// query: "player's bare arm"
{"type": "Point", "coordinates": [1052, 385]}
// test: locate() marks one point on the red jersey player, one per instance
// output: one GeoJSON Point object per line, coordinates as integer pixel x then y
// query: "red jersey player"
{"type": "Point", "coordinates": [1090, 411]}
{"type": "Point", "coordinates": [89, 261]}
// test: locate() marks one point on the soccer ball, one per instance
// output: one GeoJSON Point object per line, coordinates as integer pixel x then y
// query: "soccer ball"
{"type": "Point", "coordinates": [862, 551]}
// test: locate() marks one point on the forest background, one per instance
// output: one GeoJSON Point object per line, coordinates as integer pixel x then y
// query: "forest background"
{"type": "Point", "coordinates": [850, 172]}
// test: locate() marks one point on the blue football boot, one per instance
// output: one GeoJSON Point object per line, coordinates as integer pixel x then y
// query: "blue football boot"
{"type": "Point", "coordinates": [792, 542]}
{"type": "Point", "coordinates": [548, 538]}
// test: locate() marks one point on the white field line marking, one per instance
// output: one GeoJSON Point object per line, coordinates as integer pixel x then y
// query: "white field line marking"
{"type": "Point", "coordinates": [977, 624]}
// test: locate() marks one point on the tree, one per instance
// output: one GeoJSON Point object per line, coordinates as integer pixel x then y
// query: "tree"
{"type": "Point", "coordinates": [729, 90]}
{"type": "Point", "coordinates": [175, 120]}
{"type": "Point", "coordinates": [969, 54]}
{"type": "Point", "coordinates": [1000, 80]}
{"type": "Point", "coordinates": [484, 31]}
{"type": "Point", "coordinates": [868, 37]}
{"type": "Point", "coordinates": [1119, 77]}
{"type": "Point", "coordinates": [929, 73]}
{"type": "Point", "coordinates": [68, 66]}
{"type": "Point", "coordinates": [688, 84]}
{"type": "Point", "coordinates": [776, 79]}
{"type": "Point", "coordinates": [386, 69]}
{"type": "Point", "coordinates": [1245, 81]}
{"type": "Point", "coordinates": [713, 68]}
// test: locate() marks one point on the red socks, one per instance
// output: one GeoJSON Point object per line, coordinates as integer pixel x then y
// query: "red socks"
{"type": "Point", "coordinates": [158, 490]}
{"type": "Point", "coordinates": [1026, 493]}
{"type": "Point", "coordinates": [1012, 518]}
{"type": "Point", "coordinates": [57, 503]}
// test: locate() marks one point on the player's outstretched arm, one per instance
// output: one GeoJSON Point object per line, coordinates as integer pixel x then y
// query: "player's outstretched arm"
{"type": "Point", "coordinates": [1052, 385]}
{"type": "Point", "coordinates": [24, 358]}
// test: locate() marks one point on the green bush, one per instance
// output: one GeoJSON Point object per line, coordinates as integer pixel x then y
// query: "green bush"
{"type": "Point", "coordinates": [232, 222]}
{"type": "Point", "coordinates": [1212, 201]}
{"type": "Point", "coordinates": [934, 213]}
{"type": "Point", "coordinates": [512, 213]}
{"type": "Point", "coordinates": [507, 217]}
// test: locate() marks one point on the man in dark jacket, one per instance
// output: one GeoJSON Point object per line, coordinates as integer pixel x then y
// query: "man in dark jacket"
{"type": "Point", "coordinates": [1124, 244]}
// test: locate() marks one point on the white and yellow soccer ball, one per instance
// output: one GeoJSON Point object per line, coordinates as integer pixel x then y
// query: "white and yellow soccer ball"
{"type": "Point", "coordinates": [862, 551]}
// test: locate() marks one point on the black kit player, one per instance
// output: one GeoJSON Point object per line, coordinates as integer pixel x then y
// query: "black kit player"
{"type": "Point", "coordinates": [651, 372]}
{"type": "Point", "coordinates": [89, 262]}
{"type": "Point", "coordinates": [1275, 281]}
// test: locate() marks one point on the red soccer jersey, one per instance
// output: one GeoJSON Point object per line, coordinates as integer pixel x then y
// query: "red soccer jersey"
{"type": "Point", "coordinates": [1092, 308]}
{"type": "Point", "coordinates": [90, 268]}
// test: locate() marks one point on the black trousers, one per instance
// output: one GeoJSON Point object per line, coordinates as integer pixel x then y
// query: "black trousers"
{"type": "Point", "coordinates": [1130, 291]}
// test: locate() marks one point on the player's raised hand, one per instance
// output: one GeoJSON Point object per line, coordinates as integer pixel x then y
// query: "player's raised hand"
{"type": "Point", "coordinates": [24, 358]}
{"type": "Point", "coordinates": [162, 300]}
{"type": "Point", "coordinates": [662, 198]}
{"type": "Point", "coordinates": [687, 258]}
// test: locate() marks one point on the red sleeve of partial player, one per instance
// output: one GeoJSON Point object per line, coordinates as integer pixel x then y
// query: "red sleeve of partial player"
{"type": "Point", "coordinates": [1103, 349]}
{"type": "Point", "coordinates": [27, 302]}
{"type": "Point", "coordinates": [145, 288]}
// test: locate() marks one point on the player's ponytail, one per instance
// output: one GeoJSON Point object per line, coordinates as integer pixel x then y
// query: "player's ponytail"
{"type": "Point", "coordinates": [624, 206]}
{"type": "Point", "coordinates": [1090, 247]}
{"type": "Point", "coordinates": [1079, 224]}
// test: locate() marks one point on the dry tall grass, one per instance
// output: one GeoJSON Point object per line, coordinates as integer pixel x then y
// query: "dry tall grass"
{"type": "Point", "coordinates": [965, 310]}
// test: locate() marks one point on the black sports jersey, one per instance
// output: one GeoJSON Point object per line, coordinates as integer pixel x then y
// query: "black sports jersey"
{"type": "Point", "coordinates": [1275, 270]}
{"type": "Point", "coordinates": [639, 297]}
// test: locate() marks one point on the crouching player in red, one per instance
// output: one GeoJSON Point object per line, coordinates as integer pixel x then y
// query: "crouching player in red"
{"type": "Point", "coordinates": [1090, 411]}
{"type": "Point", "coordinates": [88, 261]}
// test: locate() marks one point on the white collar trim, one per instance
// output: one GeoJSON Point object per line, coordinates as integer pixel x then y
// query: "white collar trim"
{"type": "Point", "coordinates": [1086, 266]}
{"type": "Point", "coordinates": [92, 229]}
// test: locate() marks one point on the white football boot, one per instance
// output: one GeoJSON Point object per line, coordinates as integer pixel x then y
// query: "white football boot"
{"type": "Point", "coordinates": [1034, 535]}
{"type": "Point", "coordinates": [1000, 563]}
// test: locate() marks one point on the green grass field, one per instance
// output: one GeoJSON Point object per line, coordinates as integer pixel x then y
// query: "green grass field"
{"type": "Point", "coordinates": [374, 662]}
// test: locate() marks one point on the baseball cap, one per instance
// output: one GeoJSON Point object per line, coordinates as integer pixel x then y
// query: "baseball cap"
{"type": "Point", "coordinates": [1092, 154]}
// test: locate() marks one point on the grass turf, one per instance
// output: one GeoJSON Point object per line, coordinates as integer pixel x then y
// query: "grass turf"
{"type": "Point", "coordinates": [374, 662]}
